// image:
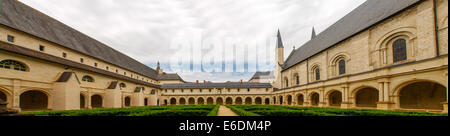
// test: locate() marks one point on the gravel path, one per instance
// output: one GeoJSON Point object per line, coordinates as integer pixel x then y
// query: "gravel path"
{"type": "Point", "coordinates": [224, 111]}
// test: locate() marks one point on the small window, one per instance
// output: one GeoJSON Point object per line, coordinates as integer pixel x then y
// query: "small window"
{"type": "Point", "coordinates": [239, 90]}
{"type": "Point", "coordinates": [125, 73]}
{"type": "Point", "coordinates": [297, 79]}
{"type": "Point", "coordinates": [182, 90]}
{"type": "Point", "coordinates": [81, 60]}
{"type": "Point", "coordinates": [173, 91]}
{"type": "Point", "coordinates": [248, 90]}
{"type": "Point", "coordinates": [41, 48]}
{"type": "Point", "coordinates": [342, 69]}
{"type": "Point", "coordinates": [192, 91]}
{"type": "Point", "coordinates": [64, 55]}
{"type": "Point", "coordinates": [210, 90]}
{"type": "Point", "coordinates": [122, 85]}
{"type": "Point", "coordinates": [229, 90]}
{"type": "Point", "coordinates": [87, 79]}
{"type": "Point", "coordinates": [317, 72]}
{"type": "Point", "coordinates": [267, 89]}
{"type": "Point", "coordinates": [201, 90]}
{"type": "Point", "coordinates": [117, 71]}
{"type": "Point", "coordinates": [399, 49]}
{"type": "Point", "coordinates": [165, 90]}
{"type": "Point", "coordinates": [10, 38]}
{"type": "Point", "coordinates": [95, 64]}
{"type": "Point", "coordinates": [107, 68]}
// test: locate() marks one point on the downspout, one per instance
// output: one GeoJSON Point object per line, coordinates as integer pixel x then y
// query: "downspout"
{"type": "Point", "coordinates": [436, 28]}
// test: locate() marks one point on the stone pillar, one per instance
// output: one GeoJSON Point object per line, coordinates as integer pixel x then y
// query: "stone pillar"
{"type": "Point", "coordinates": [445, 107]}
{"type": "Point", "coordinates": [16, 95]}
{"type": "Point", "coordinates": [384, 102]}
{"type": "Point", "coordinates": [345, 98]}
{"type": "Point", "coordinates": [322, 101]}
{"type": "Point", "coordinates": [88, 98]}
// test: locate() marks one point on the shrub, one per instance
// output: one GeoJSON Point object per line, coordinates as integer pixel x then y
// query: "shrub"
{"type": "Point", "coordinates": [242, 112]}
{"type": "Point", "coordinates": [214, 111]}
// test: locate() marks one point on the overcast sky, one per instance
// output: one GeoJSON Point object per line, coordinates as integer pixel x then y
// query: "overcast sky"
{"type": "Point", "coordinates": [145, 29]}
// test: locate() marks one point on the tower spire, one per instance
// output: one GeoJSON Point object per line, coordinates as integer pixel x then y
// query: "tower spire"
{"type": "Point", "coordinates": [313, 35]}
{"type": "Point", "coordinates": [279, 40]}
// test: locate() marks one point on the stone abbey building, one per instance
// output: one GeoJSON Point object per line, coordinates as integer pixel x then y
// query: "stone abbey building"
{"type": "Point", "coordinates": [385, 54]}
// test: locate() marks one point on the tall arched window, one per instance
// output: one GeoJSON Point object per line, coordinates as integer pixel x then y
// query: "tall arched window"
{"type": "Point", "coordinates": [297, 79]}
{"type": "Point", "coordinates": [342, 69]}
{"type": "Point", "coordinates": [286, 80]}
{"type": "Point", "coordinates": [87, 79]}
{"type": "Point", "coordinates": [399, 50]}
{"type": "Point", "coordinates": [11, 64]}
{"type": "Point", "coordinates": [317, 74]}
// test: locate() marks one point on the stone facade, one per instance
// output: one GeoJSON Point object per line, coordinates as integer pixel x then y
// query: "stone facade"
{"type": "Point", "coordinates": [372, 79]}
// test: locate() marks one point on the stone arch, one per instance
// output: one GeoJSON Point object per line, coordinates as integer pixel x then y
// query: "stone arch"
{"type": "Point", "coordinates": [258, 100]}
{"type": "Point", "coordinates": [289, 99]}
{"type": "Point", "coordinates": [334, 63]}
{"type": "Point", "coordinates": [97, 101]}
{"type": "Point", "coordinates": [34, 100]}
{"type": "Point", "coordinates": [315, 99]}
{"type": "Point", "coordinates": [281, 99]}
{"type": "Point", "coordinates": [201, 101]}
{"type": "Point", "coordinates": [316, 72]}
{"type": "Point", "coordinates": [274, 100]}
{"type": "Point", "coordinates": [82, 101]}
{"type": "Point", "coordinates": [384, 44]}
{"type": "Point", "coordinates": [182, 101]}
{"type": "Point", "coordinates": [5, 96]}
{"type": "Point", "coordinates": [127, 101]}
{"type": "Point", "coordinates": [300, 99]}
{"type": "Point", "coordinates": [191, 101]}
{"type": "Point", "coordinates": [248, 101]}
{"type": "Point", "coordinates": [421, 94]}
{"type": "Point", "coordinates": [219, 101]}
{"type": "Point", "coordinates": [146, 102]}
{"type": "Point", "coordinates": [210, 101]}
{"type": "Point", "coordinates": [173, 101]}
{"type": "Point", "coordinates": [238, 101]}
{"type": "Point", "coordinates": [229, 101]}
{"type": "Point", "coordinates": [366, 97]}
{"type": "Point", "coordinates": [335, 98]}
{"type": "Point", "coordinates": [267, 101]}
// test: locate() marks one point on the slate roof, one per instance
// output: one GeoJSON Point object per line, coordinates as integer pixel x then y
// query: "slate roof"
{"type": "Point", "coordinates": [263, 75]}
{"type": "Point", "coordinates": [216, 85]}
{"type": "Point", "coordinates": [166, 76]}
{"type": "Point", "coordinates": [19, 16]}
{"type": "Point", "coordinates": [279, 40]}
{"type": "Point", "coordinates": [366, 15]}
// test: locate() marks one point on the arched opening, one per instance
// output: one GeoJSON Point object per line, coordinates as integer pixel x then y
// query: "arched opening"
{"type": "Point", "coordinates": [239, 101]}
{"type": "Point", "coordinates": [82, 102]}
{"type": "Point", "coordinates": [229, 101]}
{"type": "Point", "coordinates": [267, 101]}
{"type": "Point", "coordinates": [96, 101]}
{"type": "Point", "coordinates": [300, 99]}
{"type": "Point", "coordinates": [146, 102]}
{"type": "Point", "coordinates": [33, 100]}
{"type": "Point", "coordinates": [315, 99]}
{"type": "Point", "coordinates": [87, 79]}
{"type": "Point", "coordinates": [14, 65]}
{"type": "Point", "coordinates": [423, 95]}
{"type": "Point", "coordinates": [399, 50]}
{"type": "Point", "coordinates": [127, 101]}
{"type": "Point", "coordinates": [248, 101]}
{"type": "Point", "coordinates": [274, 100]}
{"type": "Point", "coordinates": [219, 101]}
{"type": "Point", "coordinates": [191, 101]}
{"type": "Point", "coordinates": [258, 101]}
{"type": "Point", "coordinates": [173, 101]}
{"type": "Point", "coordinates": [367, 97]}
{"type": "Point", "coordinates": [210, 101]}
{"type": "Point", "coordinates": [201, 101]}
{"type": "Point", "coordinates": [342, 67]}
{"type": "Point", "coordinates": [289, 100]}
{"type": "Point", "coordinates": [166, 102]}
{"type": "Point", "coordinates": [281, 100]}
{"type": "Point", "coordinates": [335, 99]}
{"type": "Point", "coordinates": [182, 101]}
{"type": "Point", "coordinates": [3, 97]}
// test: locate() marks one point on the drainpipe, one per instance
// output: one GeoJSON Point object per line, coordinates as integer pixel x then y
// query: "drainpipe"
{"type": "Point", "coordinates": [436, 27]}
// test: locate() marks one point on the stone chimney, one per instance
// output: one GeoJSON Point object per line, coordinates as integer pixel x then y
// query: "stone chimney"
{"type": "Point", "coordinates": [160, 71]}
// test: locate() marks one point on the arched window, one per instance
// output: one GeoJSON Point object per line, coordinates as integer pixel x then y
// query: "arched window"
{"type": "Point", "coordinates": [399, 50]}
{"type": "Point", "coordinates": [87, 79]}
{"type": "Point", "coordinates": [342, 66]}
{"type": "Point", "coordinates": [122, 85]}
{"type": "Point", "coordinates": [297, 79]}
{"type": "Point", "coordinates": [317, 74]}
{"type": "Point", "coordinates": [286, 80]}
{"type": "Point", "coordinates": [11, 64]}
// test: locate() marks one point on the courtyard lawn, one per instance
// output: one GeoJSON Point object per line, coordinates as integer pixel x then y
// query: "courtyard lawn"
{"type": "Point", "coordinates": [269, 110]}
{"type": "Point", "coordinates": [179, 110]}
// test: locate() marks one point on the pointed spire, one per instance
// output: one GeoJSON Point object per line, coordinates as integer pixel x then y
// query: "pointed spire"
{"type": "Point", "coordinates": [313, 35]}
{"type": "Point", "coordinates": [279, 40]}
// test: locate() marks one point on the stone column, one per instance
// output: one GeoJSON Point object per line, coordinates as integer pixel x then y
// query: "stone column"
{"type": "Point", "coordinates": [384, 102]}
{"type": "Point", "coordinates": [346, 99]}
{"type": "Point", "coordinates": [16, 95]}
{"type": "Point", "coordinates": [322, 101]}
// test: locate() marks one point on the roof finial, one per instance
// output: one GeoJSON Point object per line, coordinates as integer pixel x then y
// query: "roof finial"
{"type": "Point", "coordinates": [279, 40]}
{"type": "Point", "coordinates": [313, 35]}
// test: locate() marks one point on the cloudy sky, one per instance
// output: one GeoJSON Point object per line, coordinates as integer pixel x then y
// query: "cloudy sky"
{"type": "Point", "coordinates": [148, 30]}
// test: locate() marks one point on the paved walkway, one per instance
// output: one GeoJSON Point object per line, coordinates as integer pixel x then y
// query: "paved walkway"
{"type": "Point", "coordinates": [224, 111]}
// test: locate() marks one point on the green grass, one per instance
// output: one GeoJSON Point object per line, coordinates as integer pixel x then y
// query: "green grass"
{"type": "Point", "coordinates": [214, 111]}
{"type": "Point", "coordinates": [268, 110]}
{"type": "Point", "coordinates": [180, 110]}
